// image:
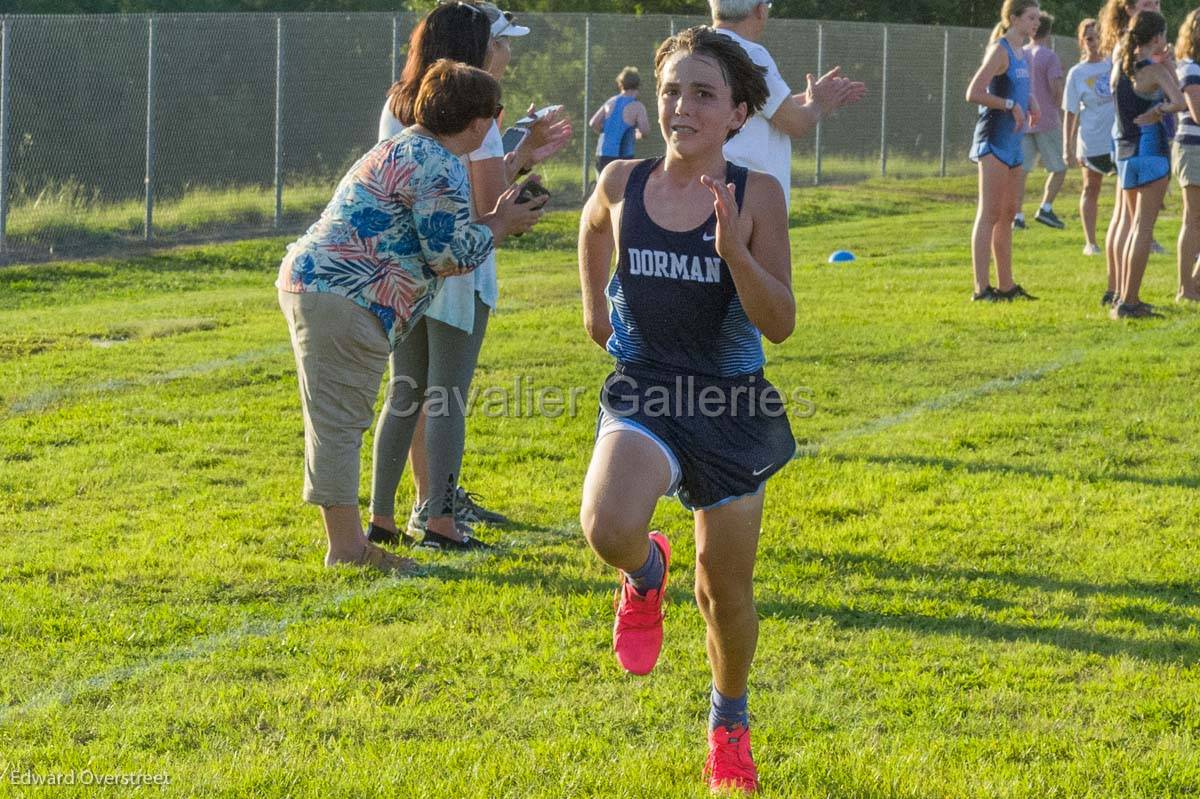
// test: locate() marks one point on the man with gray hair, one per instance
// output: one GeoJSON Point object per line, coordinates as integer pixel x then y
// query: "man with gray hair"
{"type": "Point", "coordinates": [765, 142]}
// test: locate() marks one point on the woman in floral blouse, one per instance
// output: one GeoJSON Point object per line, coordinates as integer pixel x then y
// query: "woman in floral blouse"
{"type": "Point", "coordinates": [357, 281]}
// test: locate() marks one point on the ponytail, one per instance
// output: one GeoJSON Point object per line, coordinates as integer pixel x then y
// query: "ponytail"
{"type": "Point", "coordinates": [1010, 9]}
{"type": "Point", "coordinates": [1114, 19]}
{"type": "Point", "coordinates": [1142, 30]}
{"type": "Point", "coordinates": [1128, 55]}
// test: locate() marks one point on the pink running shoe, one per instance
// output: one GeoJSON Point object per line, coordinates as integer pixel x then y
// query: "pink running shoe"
{"type": "Point", "coordinates": [730, 766]}
{"type": "Point", "coordinates": [638, 630]}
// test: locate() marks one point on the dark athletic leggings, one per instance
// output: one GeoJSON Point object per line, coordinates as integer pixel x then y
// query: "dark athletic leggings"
{"type": "Point", "coordinates": [437, 361]}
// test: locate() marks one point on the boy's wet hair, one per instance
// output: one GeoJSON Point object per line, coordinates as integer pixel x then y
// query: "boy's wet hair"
{"type": "Point", "coordinates": [747, 80]}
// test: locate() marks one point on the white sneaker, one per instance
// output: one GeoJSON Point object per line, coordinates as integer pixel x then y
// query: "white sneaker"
{"type": "Point", "coordinates": [1091, 249]}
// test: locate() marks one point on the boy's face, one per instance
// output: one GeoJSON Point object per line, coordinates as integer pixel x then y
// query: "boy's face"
{"type": "Point", "coordinates": [695, 104]}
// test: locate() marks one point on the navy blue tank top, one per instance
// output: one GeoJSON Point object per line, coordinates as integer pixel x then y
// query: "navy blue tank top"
{"type": "Point", "coordinates": [997, 125]}
{"type": "Point", "coordinates": [674, 304]}
{"type": "Point", "coordinates": [1132, 139]}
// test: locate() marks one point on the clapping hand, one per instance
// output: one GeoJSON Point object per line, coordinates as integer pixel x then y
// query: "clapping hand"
{"type": "Point", "coordinates": [831, 91]}
{"type": "Point", "coordinates": [547, 135]}
{"type": "Point", "coordinates": [729, 239]}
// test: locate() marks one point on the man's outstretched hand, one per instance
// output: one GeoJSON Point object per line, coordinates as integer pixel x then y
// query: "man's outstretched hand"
{"type": "Point", "coordinates": [831, 91]}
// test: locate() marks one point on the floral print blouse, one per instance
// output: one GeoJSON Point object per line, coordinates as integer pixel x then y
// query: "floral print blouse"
{"type": "Point", "coordinates": [399, 222]}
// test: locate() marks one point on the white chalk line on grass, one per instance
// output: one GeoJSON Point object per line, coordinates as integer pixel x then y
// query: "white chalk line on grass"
{"type": "Point", "coordinates": [963, 396]}
{"type": "Point", "coordinates": [197, 648]}
{"type": "Point", "coordinates": [261, 629]}
{"type": "Point", "coordinates": [44, 399]}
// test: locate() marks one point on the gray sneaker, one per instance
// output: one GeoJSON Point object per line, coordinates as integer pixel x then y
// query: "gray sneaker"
{"type": "Point", "coordinates": [467, 509]}
{"type": "Point", "coordinates": [418, 523]}
{"type": "Point", "coordinates": [417, 519]}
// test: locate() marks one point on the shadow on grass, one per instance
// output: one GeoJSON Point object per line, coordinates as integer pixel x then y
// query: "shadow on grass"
{"type": "Point", "coordinates": [1166, 649]}
{"type": "Point", "coordinates": [992, 467]}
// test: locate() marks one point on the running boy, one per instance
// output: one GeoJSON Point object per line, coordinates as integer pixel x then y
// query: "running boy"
{"type": "Point", "coordinates": [703, 269]}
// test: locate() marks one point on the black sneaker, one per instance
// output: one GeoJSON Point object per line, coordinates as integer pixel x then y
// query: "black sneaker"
{"type": "Point", "coordinates": [441, 543]}
{"type": "Point", "coordinates": [1134, 310]}
{"type": "Point", "coordinates": [987, 295]}
{"type": "Point", "coordinates": [382, 535]}
{"type": "Point", "coordinates": [1018, 223]}
{"type": "Point", "coordinates": [1108, 299]}
{"type": "Point", "coordinates": [1049, 219]}
{"type": "Point", "coordinates": [467, 509]}
{"type": "Point", "coordinates": [1014, 293]}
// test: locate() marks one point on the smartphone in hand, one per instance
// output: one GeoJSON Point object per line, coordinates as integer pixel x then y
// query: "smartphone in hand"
{"type": "Point", "coordinates": [531, 191]}
{"type": "Point", "coordinates": [512, 138]}
{"type": "Point", "coordinates": [538, 114]}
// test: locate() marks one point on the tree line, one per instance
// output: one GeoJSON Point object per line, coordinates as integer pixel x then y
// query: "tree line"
{"type": "Point", "coordinates": [967, 13]}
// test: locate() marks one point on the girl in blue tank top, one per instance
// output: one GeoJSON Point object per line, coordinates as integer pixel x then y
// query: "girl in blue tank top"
{"type": "Point", "coordinates": [1147, 93]}
{"type": "Point", "coordinates": [1006, 109]}
{"type": "Point", "coordinates": [617, 134]}
{"type": "Point", "coordinates": [703, 270]}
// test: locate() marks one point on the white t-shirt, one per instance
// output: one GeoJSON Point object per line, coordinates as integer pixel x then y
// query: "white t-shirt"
{"type": "Point", "coordinates": [1089, 95]}
{"type": "Point", "coordinates": [759, 144]}
{"type": "Point", "coordinates": [454, 303]}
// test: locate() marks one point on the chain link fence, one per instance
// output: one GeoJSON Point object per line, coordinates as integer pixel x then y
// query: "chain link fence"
{"type": "Point", "coordinates": [121, 131]}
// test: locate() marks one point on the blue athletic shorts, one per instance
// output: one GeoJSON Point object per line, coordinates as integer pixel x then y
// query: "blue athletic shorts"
{"type": "Point", "coordinates": [1011, 157]}
{"type": "Point", "coordinates": [1141, 170]}
{"type": "Point", "coordinates": [727, 436]}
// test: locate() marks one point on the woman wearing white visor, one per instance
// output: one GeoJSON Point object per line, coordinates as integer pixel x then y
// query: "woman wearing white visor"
{"type": "Point", "coordinates": [438, 360]}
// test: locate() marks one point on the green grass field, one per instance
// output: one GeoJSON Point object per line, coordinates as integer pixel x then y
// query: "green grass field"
{"type": "Point", "coordinates": [68, 221]}
{"type": "Point", "coordinates": [981, 581]}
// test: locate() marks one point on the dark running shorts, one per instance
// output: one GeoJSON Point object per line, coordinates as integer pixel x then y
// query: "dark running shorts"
{"type": "Point", "coordinates": [728, 435]}
{"type": "Point", "coordinates": [1101, 163]}
{"type": "Point", "coordinates": [604, 160]}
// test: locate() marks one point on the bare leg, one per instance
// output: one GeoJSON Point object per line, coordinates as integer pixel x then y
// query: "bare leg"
{"type": "Point", "coordinates": [1189, 245]}
{"type": "Point", "coordinates": [1002, 232]}
{"type": "Point", "coordinates": [726, 547]}
{"type": "Point", "coordinates": [1089, 203]}
{"type": "Point", "coordinates": [993, 179]}
{"type": "Point", "coordinates": [1114, 245]}
{"type": "Point", "coordinates": [1146, 202]}
{"type": "Point", "coordinates": [1121, 245]}
{"type": "Point", "coordinates": [625, 479]}
{"type": "Point", "coordinates": [347, 544]}
{"type": "Point", "coordinates": [1054, 185]}
{"type": "Point", "coordinates": [1020, 196]}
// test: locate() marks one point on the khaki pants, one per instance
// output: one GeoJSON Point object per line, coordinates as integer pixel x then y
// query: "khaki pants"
{"type": "Point", "coordinates": [341, 353]}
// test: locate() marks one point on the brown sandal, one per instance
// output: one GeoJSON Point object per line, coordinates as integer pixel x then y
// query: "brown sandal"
{"type": "Point", "coordinates": [379, 558]}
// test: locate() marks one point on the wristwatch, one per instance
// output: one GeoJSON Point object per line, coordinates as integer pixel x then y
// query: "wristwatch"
{"type": "Point", "coordinates": [1008, 104]}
